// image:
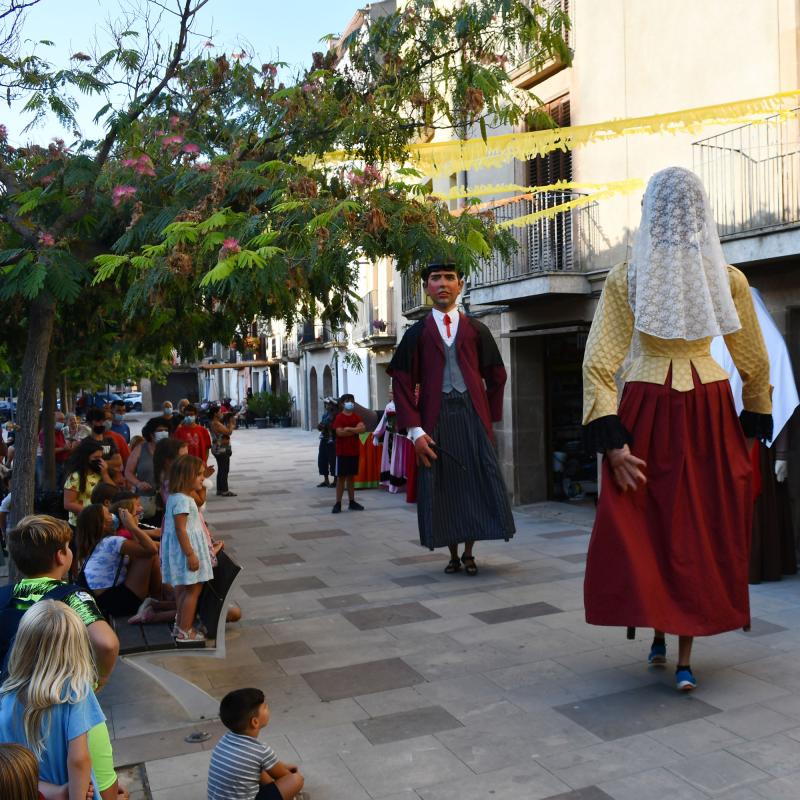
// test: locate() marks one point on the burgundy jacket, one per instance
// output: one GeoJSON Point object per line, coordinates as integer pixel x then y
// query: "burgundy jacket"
{"type": "Point", "coordinates": [419, 362]}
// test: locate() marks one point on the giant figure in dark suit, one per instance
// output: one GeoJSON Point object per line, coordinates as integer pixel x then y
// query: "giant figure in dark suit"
{"type": "Point", "coordinates": [448, 379]}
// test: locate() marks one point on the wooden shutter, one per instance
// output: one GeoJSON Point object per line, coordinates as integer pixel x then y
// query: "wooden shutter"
{"type": "Point", "coordinates": [555, 166]}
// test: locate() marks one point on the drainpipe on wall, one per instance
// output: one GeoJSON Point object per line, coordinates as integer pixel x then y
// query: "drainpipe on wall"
{"type": "Point", "coordinates": [307, 404]}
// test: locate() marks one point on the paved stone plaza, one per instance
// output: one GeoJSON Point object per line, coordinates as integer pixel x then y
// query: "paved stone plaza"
{"type": "Point", "coordinates": [389, 680]}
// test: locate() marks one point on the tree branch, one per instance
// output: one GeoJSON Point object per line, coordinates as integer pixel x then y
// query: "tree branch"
{"type": "Point", "coordinates": [188, 12]}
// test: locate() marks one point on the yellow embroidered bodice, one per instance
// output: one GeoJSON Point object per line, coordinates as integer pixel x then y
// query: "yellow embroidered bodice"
{"type": "Point", "coordinates": [612, 334]}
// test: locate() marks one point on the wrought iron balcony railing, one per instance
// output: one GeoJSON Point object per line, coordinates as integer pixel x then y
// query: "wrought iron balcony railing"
{"type": "Point", "coordinates": [752, 175]}
{"type": "Point", "coordinates": [561, 244]}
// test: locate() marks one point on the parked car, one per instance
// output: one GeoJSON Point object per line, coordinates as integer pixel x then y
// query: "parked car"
{"type": "Point", "coordinates": [8, 409]}
{"type": "Point", "coordinates": [99, 399]}
{"type": "Point", "coordinates": [133, 401]}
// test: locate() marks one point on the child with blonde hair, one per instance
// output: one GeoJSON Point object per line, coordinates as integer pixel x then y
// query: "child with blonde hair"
{"type": "Point", "coordinates": [185, 554]}
{"type": "Point", "coordinates": [47, 702]}
{"type": "Point", "coordinates": [19, 772]}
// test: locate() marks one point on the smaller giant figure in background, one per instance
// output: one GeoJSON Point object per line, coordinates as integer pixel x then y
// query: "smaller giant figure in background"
{"type": "Point", "coordinates": [396, 449]}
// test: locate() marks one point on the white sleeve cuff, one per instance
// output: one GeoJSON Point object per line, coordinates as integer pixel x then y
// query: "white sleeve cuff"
{"type": "Point", "coordinates": [415, 433]}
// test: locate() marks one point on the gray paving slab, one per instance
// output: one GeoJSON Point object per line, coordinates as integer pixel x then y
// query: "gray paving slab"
{"type": "Point", "coordinates": [510, 613]}
{"type": "Point", "coordinates": [622, 714]}
{"type": "Point", "coordinates": [285, 586]}
{"type": "Point", "coordinates": [407, 724]}
{"type": "Point", "coordinates": [342, 601]}
{"type": "Point", "coordinates": [387, 616]}
{"type": "Point", "coordinates": [365, 678]}
{"type": "Point", "coordinates": [327, 533]}
{"type": "Point", "coordinates": [274, 652]}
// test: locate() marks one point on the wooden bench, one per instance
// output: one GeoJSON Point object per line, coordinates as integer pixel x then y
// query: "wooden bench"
{"type": "Point", "coordinates": [139, 644]}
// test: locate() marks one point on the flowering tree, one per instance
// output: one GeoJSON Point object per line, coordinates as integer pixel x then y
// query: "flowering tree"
{"type": "Point", "coordinates": [200, 209]}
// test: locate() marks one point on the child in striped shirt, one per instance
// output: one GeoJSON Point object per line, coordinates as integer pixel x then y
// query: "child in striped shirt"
{"type": "Point", "coordinates": [242, 767]}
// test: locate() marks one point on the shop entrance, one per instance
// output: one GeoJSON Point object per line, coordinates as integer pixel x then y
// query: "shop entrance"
{"type": "Point", "coordinates": [572, 469]}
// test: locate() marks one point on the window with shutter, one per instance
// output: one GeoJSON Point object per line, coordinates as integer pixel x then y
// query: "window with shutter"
{"type": "Point", "coordinates": [555, 166]}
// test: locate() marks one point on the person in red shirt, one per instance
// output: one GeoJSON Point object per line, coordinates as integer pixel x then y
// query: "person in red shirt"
{"type": "Point", "coordinates": [118, 438]}
{"type": "Point", "coordinates": [347, 426]}
{"type": "Point", "coordinates": [197, 438]}
{"type": "Point", "coordinates": [62, 451]}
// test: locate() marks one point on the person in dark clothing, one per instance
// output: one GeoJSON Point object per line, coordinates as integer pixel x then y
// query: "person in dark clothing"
{"type": "Point", "coordinates": [326, 458]}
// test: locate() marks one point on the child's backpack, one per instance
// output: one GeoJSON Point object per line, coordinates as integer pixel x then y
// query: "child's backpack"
{"type": "Point", "coordinates": [10, 617]}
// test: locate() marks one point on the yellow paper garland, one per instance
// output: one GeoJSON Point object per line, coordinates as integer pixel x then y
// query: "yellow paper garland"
{"type": "Point", "coordinates": [445, 158]}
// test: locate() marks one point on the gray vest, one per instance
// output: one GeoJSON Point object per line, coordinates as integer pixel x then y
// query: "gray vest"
{"type": "Point", "coordinates": [452, 380]}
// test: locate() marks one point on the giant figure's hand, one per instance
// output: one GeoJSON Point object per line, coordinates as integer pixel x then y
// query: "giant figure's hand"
{"type": "Point", "coordinates": [425, 453]}
{"type": "Point", "coordinates": [628, 471]}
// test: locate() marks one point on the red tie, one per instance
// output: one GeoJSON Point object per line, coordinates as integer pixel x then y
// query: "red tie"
{"type": "Point", "coordinates": [446, 321]}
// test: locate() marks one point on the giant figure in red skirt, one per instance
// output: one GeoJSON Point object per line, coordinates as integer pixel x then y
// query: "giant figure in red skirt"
{"type": "Point", "coordinates": [671, 540]}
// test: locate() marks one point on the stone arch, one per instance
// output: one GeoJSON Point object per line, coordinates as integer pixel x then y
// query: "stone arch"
{"type": "Point", "coordinates": [327, 381]}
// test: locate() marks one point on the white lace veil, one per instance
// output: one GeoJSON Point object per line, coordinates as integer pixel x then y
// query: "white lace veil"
{"type": "Point", "coordinates": [678, 284]}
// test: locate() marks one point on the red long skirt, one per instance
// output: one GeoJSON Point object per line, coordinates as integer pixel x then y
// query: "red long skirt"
{"type": "Point", "coordinates": [674, 554]}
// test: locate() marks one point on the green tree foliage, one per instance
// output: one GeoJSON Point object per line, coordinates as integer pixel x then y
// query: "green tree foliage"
{"type": "Point", "coordinates": [199, 209]}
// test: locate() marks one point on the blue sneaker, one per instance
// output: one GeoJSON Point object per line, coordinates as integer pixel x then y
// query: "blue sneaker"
{"type": "Point", "coordinates": [658, 654]}
{"type": "Point", "coordinates": [684, 680]}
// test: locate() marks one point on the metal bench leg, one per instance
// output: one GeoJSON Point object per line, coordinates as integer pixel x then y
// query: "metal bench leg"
{"type": "Point", "coordinates": [194, 701]}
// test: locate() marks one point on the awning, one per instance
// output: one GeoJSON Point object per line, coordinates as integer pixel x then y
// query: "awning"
{"type": "Point", "coordinates": [547, 330]}
{"type": "Point", "coordinates": [241, 364]}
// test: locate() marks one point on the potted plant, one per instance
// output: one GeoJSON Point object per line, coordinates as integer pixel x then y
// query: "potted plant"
{"type": "Point", "coordinates": [259, 405]}
{"type": "Point", "coordinates": [282, 409]}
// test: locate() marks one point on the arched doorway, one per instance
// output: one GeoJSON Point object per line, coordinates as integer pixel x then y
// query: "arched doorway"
{"type": "Point", "coordinates": [327, 382]}
{"type": "Point", "coordinates": [313, 398]}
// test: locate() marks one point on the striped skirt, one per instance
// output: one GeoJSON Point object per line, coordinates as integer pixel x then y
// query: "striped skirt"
{"type": "Point", "coordinates": [462, 497]}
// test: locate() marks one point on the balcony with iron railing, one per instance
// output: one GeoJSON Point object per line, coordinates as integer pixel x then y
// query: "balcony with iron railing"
{"type": "Point", "coordinates": [414, 302]}
{"type": "Point", "coordinates": [552, 253]}
{"type": "Point", "coordinates": [290, 350]}
{"type": "Point", "coordinates": [375, 327]}
{"type": "Point", "coordinates": [752, 177]}
{"type": "Point", "coordinates": [314, 336]}
{"type": "Point", "coordinates": [520, 70]}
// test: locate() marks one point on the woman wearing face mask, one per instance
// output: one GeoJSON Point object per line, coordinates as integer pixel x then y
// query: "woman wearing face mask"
{"type": "Point", "coordinates": [85, 468]}
{"type": "Point", "coordinates": [139, 470]}
{"type": "Point", "coordinates": [96, 419]}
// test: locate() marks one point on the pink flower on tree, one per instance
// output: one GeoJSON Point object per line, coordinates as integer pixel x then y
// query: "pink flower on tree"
{"type": "Point", "coordinates": [174, 120]}
{"type": "Point", "coordinates": [230, 246]}
{"type": "Point", "coordinates": [191, 148]}
{"type": "Point", "coordinates": [3, 133]}
{"type": "Point", "coordinates": [203, 166]}
{"type": "Point", "coordinates": [143, 165]}
{"type": "Point", "coordinates": [371, 174]}
{"type": "Point", "coordinates": [46, 239]}
{"type": "Point", "coordinates": [121, 193]}
{"type": "Point", "coordinates": [167, 141]}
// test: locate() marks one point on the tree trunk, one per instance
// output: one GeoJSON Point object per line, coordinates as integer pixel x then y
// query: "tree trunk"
{"type": "Point", "coordinates": [48, 417]}
{"type": "Point", "coordinates": [40, 332]}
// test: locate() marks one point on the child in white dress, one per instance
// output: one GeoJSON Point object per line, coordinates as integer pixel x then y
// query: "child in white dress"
{"type": "Point", "coordinates": [185, 556]}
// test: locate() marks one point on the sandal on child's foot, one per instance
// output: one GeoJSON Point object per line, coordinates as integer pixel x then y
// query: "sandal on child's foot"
{"type": "Point", "coordinates": [191, 637]}
{"type": "Point", "coordinates": [454, 565]}
{"type": "Point", "coordinates": [470, 567]}
{"type": "Point", "coordinates": [138, 617]}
